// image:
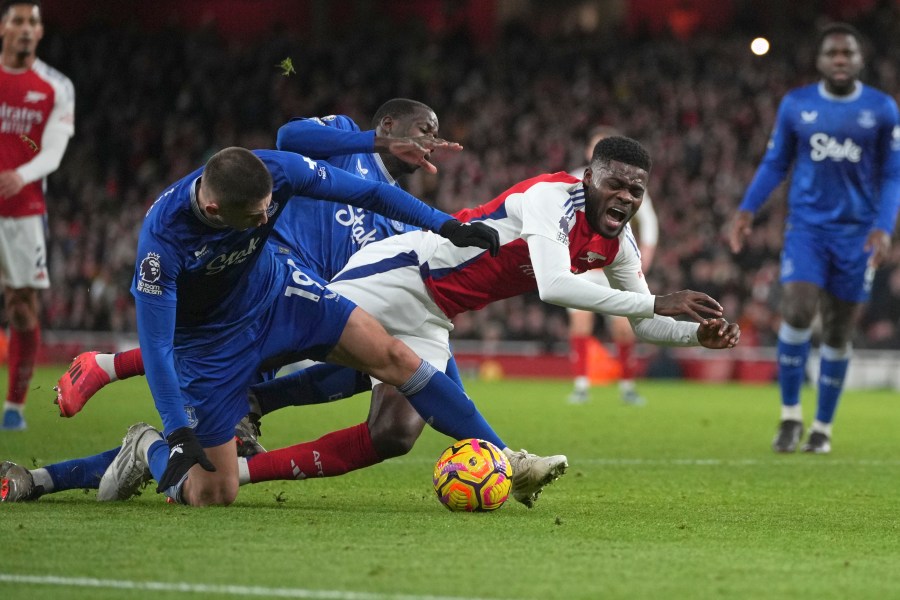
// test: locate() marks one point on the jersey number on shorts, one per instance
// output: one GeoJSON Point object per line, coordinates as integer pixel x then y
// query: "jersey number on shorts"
{"type": "Point", "coordinates": [302, 279]}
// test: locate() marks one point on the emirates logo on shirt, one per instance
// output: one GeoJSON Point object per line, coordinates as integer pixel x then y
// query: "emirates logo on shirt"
{"type": "Point", "coordinates": [18, 119]}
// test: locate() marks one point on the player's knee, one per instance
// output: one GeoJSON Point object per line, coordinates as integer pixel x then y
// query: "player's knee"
{"type": "Point", "coordinates": [798, 309]}
{"type": "Point", "coordinates": [396, 433]}
{"type": "Point", "coordinates": [797, 315]}
{"type": "Point", "coordinates": [219, 493]}
{"type": "Point", "coordinates": [391, 446]}
{"type": "Point", "coordinates": [399, 354]}
{"type": "Point", "coordinates": [21, 315]}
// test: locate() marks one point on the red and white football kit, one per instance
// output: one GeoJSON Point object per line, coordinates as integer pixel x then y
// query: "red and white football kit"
{"type": "Point", "coordinates": [415, 283]}
{"type": "Point", "coordinates": [37, 118]}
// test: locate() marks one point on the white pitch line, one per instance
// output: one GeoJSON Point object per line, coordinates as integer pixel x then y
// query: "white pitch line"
{"type": "Point", "coordinates": [706, 462]}
{"type": "Point", "coordinates": [736, 462]}
{"type": "Point", "coordinates": [219, 590]}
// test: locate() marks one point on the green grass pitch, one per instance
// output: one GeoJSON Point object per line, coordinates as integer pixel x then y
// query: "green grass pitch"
{"type": "Point", "coordinates": [681, 498]}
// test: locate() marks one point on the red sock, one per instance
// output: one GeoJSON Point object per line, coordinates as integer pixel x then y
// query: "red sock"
{"type": "Point", "coordinates": [578, 354]}
{"type": "Point", "coordinates": [129, 363]}
{"type": "Point", "coordinates": [626, 358]}
{"type": "Point", "coordinates": [23, 346]}
{"type": "Point", "coordinates": [334, 454]}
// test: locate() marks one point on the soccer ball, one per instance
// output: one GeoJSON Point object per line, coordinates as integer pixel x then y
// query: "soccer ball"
{"type": "Point", "coordinates": [472, 475]}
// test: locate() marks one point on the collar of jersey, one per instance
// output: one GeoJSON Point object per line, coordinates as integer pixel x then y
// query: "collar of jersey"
{"type": "Point", "coordinates": [383, 169]}
{"type": "Point", "coordinates": [13, 71]}
{"type": "Point", "coordinates": [848, 98]}
{"type": "Point", "coordinates": [195, 207]}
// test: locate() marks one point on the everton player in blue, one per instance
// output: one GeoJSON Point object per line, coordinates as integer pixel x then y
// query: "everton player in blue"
{"type": "Point", "coordinates": [843, 140]}
{"type": "Point", "coordinates": [331, 233]}
{"type": "Point", "coordinates": [213, 304]}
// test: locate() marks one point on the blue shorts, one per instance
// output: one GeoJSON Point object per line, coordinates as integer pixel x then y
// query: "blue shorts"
{"type": "Point", "coordinates": [306, 321]}
{"type": "Point", "coordinates": [836, 263]}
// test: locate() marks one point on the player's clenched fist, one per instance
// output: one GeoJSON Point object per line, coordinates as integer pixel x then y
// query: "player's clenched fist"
{"type": "Point", "coordinates": [184, 452]}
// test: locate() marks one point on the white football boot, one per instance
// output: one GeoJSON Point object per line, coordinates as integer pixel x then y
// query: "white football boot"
{"type": "Point", "coordinates": [530, 473]}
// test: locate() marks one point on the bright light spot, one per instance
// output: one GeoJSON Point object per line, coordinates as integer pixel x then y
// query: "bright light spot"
{"type": "Point", "coordinates": [759, 46]}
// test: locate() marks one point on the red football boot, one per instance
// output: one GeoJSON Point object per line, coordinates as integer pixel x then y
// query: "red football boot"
{"type": "Point", "coordinates": [79, 383]}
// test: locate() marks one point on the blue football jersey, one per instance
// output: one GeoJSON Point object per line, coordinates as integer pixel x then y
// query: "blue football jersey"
{"type": "Point", "coordinates": [205, 283]}
{"type": "Point", "coordinates": [206, 272]}
{"type": "Point", "coordinates": [326, 235]}
{"type": "Point", "coordinates": [845, 152]}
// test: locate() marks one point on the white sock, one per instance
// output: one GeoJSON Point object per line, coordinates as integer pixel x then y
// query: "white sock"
{"type": "Point", "coordinates": [243, 471]}
{"type": "Point", "coordinates": [42, 477]}
{"type": "Point", "coordinates": [626, 385]}
{"type": "Point", "coordinates": [792, 413]}
{"type": "Point", "coordinates": [19, 408]}
{"type": "Point", "coordinates": [108, 364]}
{"type": "Point", "coordinates": [144, 446]}
{"type": "Point", "coordinates": [821, 427]}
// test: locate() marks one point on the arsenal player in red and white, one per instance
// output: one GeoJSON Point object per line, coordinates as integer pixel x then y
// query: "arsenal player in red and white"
{"type": "Point", "coordinates": [37, 110]}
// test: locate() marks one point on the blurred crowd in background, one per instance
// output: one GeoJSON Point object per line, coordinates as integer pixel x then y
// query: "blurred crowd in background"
{"type": "Point", "coordinates": [153, 105]}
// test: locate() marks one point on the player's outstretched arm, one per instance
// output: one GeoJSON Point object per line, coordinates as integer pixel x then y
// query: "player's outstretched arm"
{"type": "Point", "coordinates": [698, 306]}
{"type": "Point", "coordinates": [415, 150]}
{"type": "Point", "coordinates": [475, 234]}
{"type": "Point", "coordinates": [718, 334]}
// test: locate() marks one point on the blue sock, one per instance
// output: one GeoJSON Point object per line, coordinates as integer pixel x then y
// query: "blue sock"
{"type": "Point", "coordinates": [445, 406]}
{"type": "Point", "coordinates": [158, 458]}
{"type": "Point", "coordinates": [452, 371]}
{"type": "Point", "coordinates": [81, 472]}
{"type": "Point", "coordinates": [832, 372]}
{"type": "Point", "coordinates": [316, 385]}
{"type": "Point", "coordinates": [793, 350]}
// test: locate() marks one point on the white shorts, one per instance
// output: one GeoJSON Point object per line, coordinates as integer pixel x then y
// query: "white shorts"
{"type": "Point", "coordinates": [23, 252]}
{"type": "Point", "coordinates": [393, 292]}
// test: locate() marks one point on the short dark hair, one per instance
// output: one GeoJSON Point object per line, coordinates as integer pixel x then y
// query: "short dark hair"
{"type": "Point", "coordinates": [622, 149]}
{"type": "Point", "coordinates": [398, 107]}
{"type": "Point", "coordinates": [838, 27]}
{"type": "Point", "coordinates": [236, 177]}
{"type": "Point", "coordinates": [7, 3]}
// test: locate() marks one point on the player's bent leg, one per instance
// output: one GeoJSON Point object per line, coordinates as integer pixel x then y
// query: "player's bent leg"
{"type": "Point", "coordinates": [79, 383]}
{"type": "Point", "coordinates": [219, 487]}
{"type": "Point", "coordinates": [331, 455]}
{"type": "Point", "coordinates": [366, 346]}
{"type": "Point", "coordinates": [393, 422]}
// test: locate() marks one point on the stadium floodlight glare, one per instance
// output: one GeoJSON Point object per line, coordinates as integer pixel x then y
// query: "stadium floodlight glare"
{"type": "Point", "coordinates": [759, 46]}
